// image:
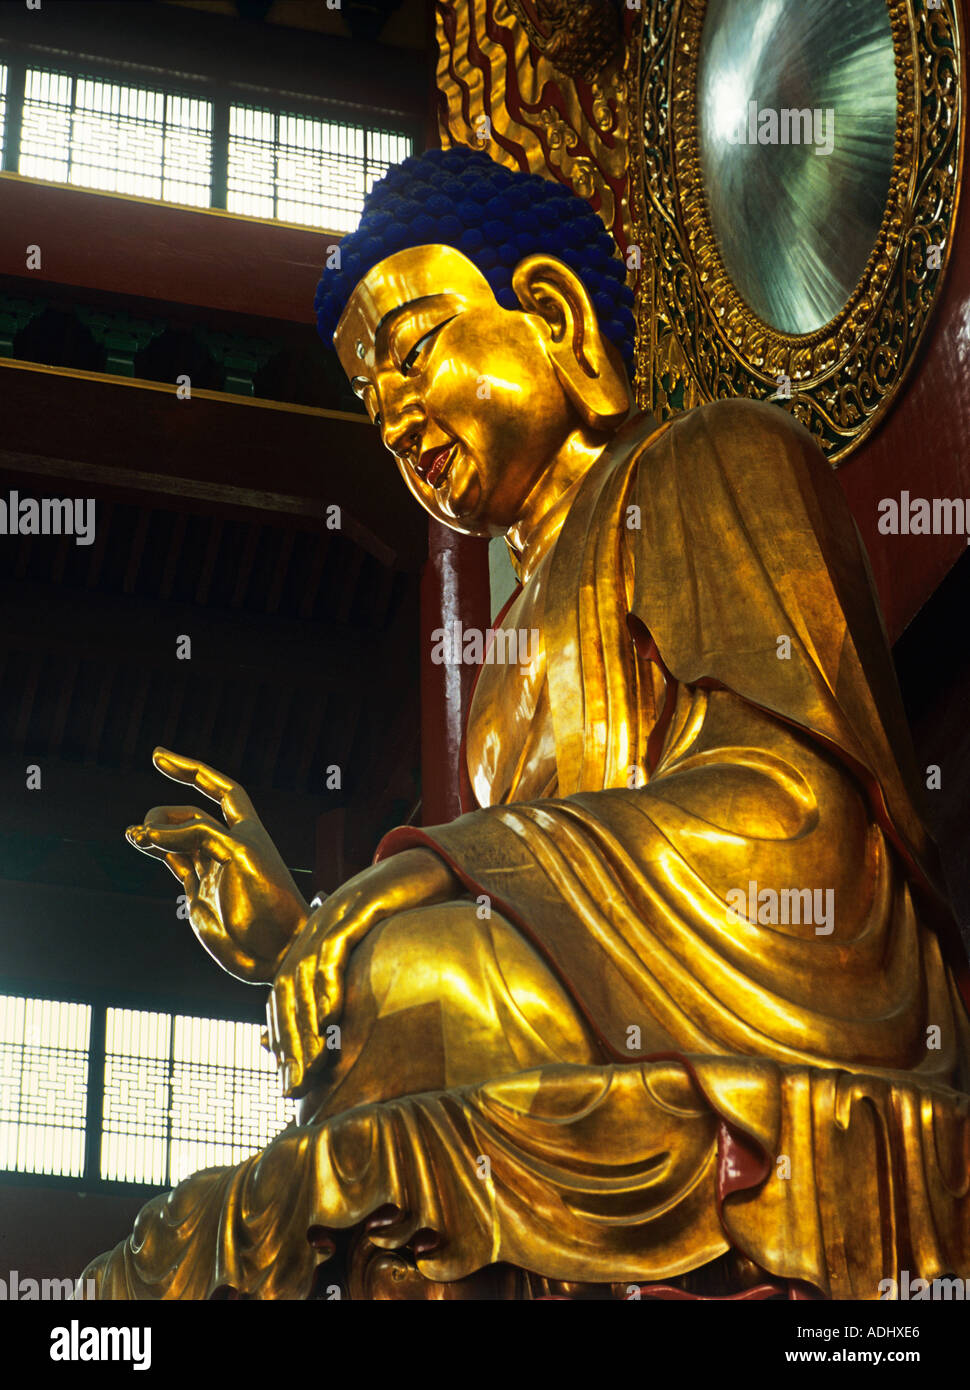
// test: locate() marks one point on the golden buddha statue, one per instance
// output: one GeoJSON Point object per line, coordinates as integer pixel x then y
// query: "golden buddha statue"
{"type": "Point", "coordinates": [675, 1005]}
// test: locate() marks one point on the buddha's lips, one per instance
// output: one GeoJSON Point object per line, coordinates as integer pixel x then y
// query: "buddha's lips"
{"type": "Point", "coordinates": [433, 463]}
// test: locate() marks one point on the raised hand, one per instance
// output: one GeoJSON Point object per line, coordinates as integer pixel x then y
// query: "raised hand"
{"type": "Point", "coordinates": [243, 904]}
{"type": "Point", "coordinates": [308, 991]}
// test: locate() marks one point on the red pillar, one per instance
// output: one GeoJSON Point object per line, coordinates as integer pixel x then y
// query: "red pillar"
{"type": "Point", "coordinates": [454, 588]}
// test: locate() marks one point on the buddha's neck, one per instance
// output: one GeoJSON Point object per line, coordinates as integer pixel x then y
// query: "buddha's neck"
{"type": "Point", "coordinates": [547, 505]}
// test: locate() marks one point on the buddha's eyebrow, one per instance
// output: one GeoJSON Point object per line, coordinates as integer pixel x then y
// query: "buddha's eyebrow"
{"type": "Point", "coordinates": [399, 309]}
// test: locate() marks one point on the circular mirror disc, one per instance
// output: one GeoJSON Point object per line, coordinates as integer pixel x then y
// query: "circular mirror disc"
{"type": "Point", "coordinates": [796, 105]}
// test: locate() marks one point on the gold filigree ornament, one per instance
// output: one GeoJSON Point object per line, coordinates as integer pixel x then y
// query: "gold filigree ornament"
{"type": "Point", "coordinates": [580, 37]}
{"type": "Point", "coordinates": [698, 339]}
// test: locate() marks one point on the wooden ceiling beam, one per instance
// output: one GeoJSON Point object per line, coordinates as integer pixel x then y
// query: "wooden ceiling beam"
{"type": "Point", "coordinates": [121, 245]}
{"type": "Point", "coordinates": [239, 454]}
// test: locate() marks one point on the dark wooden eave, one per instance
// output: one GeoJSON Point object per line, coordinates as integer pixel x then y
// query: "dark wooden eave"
{"type": "Point", "coordinates": [254, 63]}
{"type": "Point", "coordinates": [161, 251]}
{"type": "Point", "coordinates": [226, 451]}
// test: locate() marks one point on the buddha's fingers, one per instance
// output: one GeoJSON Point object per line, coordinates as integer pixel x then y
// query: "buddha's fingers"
{"type": "Point", "coordinates": [293, 1030]}
{"type": "Point", "coordinates": [180, 815]}
{"type": "Point", "coordinates": [306, 1010]}
{"type": "Point", "coordinates": [181, 865]}
{"type": "Point", "coordinates": [218, 942]}
{"type": "Point", "coordinates": [329, 980]}
{"type": "Point", "coordinates": [278, 1015]}
{"type": "Point", "coordinates": [188, 840]}
{"type": "Point", "coordinates": [184, 870]}
{"type": "Point", "coordinates": [235, 802]}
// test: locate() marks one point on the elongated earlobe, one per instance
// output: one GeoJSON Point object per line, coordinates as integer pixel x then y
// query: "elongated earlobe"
{"type": "Point", "coordinates": [591, 373]}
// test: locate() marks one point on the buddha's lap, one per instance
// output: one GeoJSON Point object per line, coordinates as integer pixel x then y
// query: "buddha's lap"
{"type": "Point", "coordinates": [443, 996]}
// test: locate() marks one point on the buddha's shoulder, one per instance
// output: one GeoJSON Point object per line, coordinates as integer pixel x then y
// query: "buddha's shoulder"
{"type": "Point", "coordinates": [758, 448]}
{"type": "Point", "coordinates": [736, 417]}
{"type": "Point", "coordinates": [741, 437]}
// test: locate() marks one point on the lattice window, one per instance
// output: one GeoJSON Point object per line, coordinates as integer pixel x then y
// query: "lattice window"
{"type": "Point", "coordinates": [43, 1085]}
{"type": "Point", "coordinates": [312, 172]}
{"type": "Point", "coordinates": [148, 143]}
{"type": "Point", "coordinates": [137, 1096]}
{"type": "Point", "coordinates": [116, 138]}
{"type": "Point", "coordinates": [184, 1093]}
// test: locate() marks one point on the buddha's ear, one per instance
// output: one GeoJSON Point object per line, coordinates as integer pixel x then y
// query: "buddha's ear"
{"type": "Point", "coordinates": [589, 369]}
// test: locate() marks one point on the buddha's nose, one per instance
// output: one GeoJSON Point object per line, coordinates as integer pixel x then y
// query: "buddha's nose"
{"type": "Point", "coordinates": [404, 437]}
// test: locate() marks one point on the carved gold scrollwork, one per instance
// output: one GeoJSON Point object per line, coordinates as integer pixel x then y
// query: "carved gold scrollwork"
{"type": "Point", "coordinates": [580, 37]}
{"type": "Point", "coordinates": [698, 339]}
{"type": "Point", "coordinates": [498, 58]}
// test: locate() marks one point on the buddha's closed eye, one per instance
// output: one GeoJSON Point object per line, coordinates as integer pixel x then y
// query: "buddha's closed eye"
{"type": "Point", "coordinates": [410, 361]}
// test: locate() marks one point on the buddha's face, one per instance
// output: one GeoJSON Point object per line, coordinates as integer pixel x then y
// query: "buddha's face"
{"type": "Point", "coordinates": [464, 392]}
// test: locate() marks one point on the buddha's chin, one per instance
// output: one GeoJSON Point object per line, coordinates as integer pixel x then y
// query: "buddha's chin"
{"type": "Point", "coordinates": [462, 493]}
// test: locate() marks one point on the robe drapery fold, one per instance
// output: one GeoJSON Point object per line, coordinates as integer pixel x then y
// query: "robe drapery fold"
{"type": "Point", "coordinates": [605, 1174]}
{"type": "Point", "coordinates": [736, 513]}
{"type": "Point", "coordinates": [717, 557]}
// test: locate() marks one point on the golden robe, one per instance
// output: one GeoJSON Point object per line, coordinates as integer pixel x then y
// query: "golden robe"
{"type": "Point", "coordinates": [590, 1068]}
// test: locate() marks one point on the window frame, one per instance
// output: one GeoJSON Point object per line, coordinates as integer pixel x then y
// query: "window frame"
{"type": "Point", "coordinates": [90, 1180]}
{"type": "Point", "coordinates": [17, 59]}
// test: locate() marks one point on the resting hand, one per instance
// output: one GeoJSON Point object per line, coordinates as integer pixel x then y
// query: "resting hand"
{"type": "Point", "coordinates": [243, 904]}
{"type": "Point", "coordinates": [309, 987]}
